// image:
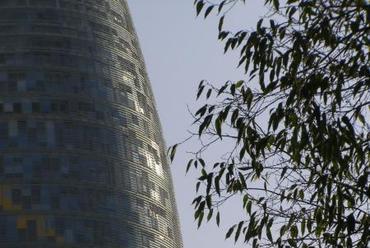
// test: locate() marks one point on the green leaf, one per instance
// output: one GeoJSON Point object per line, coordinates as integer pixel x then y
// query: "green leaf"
{"type": "Point", "coordinates": [249, 207]}
{"type": "Point", "coordinates": [200, 218]}
{"type": "Point", "coordinates": [220, 7]}
{"type": "Point", "coordinates": [189, 165]}
{"type": "Point", "coordinates": [303, 226]}
{"type": "Point", "coordinates": [237, 234]}
{"type": "Point", "coordinates": [209, 201]}
{"type": "Point", "coordinates": [351, 223]}
{"type": "Point", "coordinates": [309, 225]}
{"type": "Point", "coordinates": [269, 235]}
{"type": "Point", "coordinates": [201, 111]}
{"type": "Point", "coordinates": [218, 125]}
{"type": "Point", "coordinates": [282, 230]}
{"type": "Point", "coordinates": [217, 185]}
{"type": "Point", "coordinates": [239, 84]}
{"type": "Point", "coordinates": [218, 219]}
{"type": "Point", "coordinates": [209, 92]}
{"type": "Point", "coordinates": [242, 153]}
{"type": "Point", "coordinates": [292, 242]}
{"type": "Point", "coordinates": [210, 214]}
{"type": "Point", "coordinates": [221, 23]}
{"type": "Point", "coordinates": [173, 152]}
{"type": "Point", "coordinates": [294, 231]}
{"type": "Point", "coordinates": [200, 92]}
{"type": "Point", "coordinates": [229, 232]}
{"type": "Point", "coordinates": [285, 169]}
{"type": "Point", "coordinates": [245, 200]}
{"type": "Point", "coordinates": [205, 124]}
{"type": "Point", "coordinates": [201, 161]}
{"type": "Point", "coordinates": [199, 7]}
{"type": "Point", "coordinates": [208, 11]}
{"type": "Point", "coordinates": [222, 89]}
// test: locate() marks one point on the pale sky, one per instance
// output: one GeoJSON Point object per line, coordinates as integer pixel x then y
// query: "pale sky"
{"type": "Point", "coordinates": [180, 50]}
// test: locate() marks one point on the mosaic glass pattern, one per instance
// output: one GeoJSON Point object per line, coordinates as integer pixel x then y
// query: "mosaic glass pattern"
{"type": "Point", "coordinates": [82, 160]}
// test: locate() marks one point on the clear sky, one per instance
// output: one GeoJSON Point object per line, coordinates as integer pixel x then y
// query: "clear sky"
{"type": "Point", "coordinates": [180, 50]}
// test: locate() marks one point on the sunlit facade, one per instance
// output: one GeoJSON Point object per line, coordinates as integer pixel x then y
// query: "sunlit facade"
{"type": "Point", "coordinates": [82, 160]}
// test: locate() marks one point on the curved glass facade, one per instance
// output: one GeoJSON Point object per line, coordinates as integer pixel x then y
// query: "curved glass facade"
{"type": "Point", "coordinates": [82, 160]}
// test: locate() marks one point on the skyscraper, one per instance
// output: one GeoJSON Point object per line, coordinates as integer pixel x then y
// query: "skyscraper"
{"type": "Point", "coordinates": [82, 160]}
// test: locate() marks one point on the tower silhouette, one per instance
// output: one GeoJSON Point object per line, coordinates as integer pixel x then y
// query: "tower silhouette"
{"type": "Point", "coordinates": [82, 161]}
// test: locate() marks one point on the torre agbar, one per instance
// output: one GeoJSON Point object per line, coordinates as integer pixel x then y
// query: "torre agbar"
{"type": "Point", "coordinates": [82, 158]}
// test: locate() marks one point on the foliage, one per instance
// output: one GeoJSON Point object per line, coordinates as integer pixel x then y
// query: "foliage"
{"type": "Point", "coordinates": [299, 123]}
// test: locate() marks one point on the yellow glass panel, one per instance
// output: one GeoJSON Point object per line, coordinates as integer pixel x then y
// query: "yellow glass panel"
{"type": "Point", "coordinates": [60, 240]}
{"type": "Point", "coordinates": [7, 204]}
{"type": "Point", "coordinates": [22, 222]}
{"type": "Point", "coordinates": [50, 232]}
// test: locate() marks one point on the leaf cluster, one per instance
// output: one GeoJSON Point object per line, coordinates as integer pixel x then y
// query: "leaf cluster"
{"type": "Point", "coordinates": [299, 123]}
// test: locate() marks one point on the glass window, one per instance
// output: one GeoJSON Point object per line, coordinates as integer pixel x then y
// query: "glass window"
{"type": "Point", "coordinates": [134, 119]}
{"type": "Point", "coordinates": [17, 107]}
{"type": "Point", "coordinates": [16, 196]}
{"type": "Point", "coordinates": [8, 108]}
{"type": "Point", "coordinates": [36, 107]}
{"type": "Point", "coordinates": [31, 230]}
{"type": "Point", "coordinates": [43, 3]}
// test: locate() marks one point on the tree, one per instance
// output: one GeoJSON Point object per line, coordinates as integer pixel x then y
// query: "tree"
{"type": "Point", "coordinates": [299, 123]}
